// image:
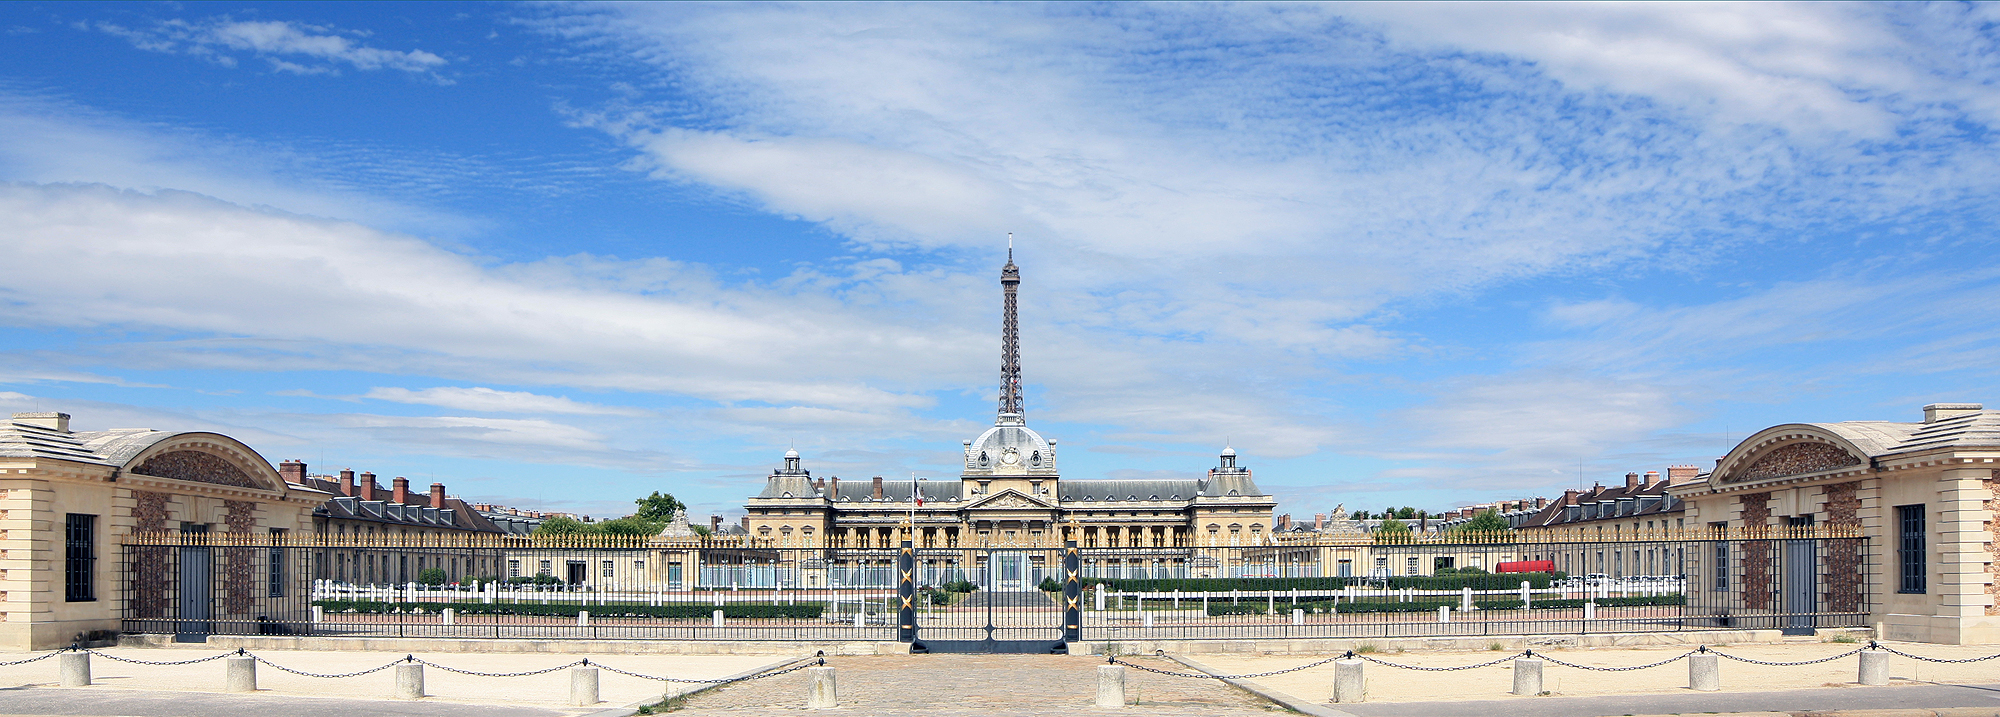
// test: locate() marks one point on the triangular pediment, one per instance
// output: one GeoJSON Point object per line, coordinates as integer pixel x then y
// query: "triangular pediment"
{"type": "Point", "coordinates": [1010, 500]}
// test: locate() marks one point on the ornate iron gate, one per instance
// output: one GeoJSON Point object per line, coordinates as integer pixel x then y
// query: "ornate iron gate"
{"type": "Point", "coordinates": [1003, 600]}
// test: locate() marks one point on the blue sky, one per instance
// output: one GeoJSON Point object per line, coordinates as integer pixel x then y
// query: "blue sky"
{"type": "Point", "coordinates": [563, 255]}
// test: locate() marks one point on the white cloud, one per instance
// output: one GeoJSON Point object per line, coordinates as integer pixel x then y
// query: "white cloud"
{"type": "Point", "coordinates": [488, 400]}
{"type": "Point", "coordinates": [508, 432]}
{"type": "Point", "coordinates": [316, 49]}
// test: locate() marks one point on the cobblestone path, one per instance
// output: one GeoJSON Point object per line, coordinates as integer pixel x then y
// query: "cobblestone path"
{"type": "Point", "coordinates": [980, 685]}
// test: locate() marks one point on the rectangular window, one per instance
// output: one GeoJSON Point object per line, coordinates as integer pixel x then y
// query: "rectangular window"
{"type": "Point", "coordinates": [1910, 547]}
{"type": "Point", "coordinates": [1721, 556]}
{"type": "Point", "coordinates": [276, 583]}
{"type": "Point", "coordinates": [639, 567]}
{"type": "Point", "coordinates": [607, 569]}
{"type": "Point", "coordinates": [80, 557]}
{"type": "Point", "coordinates": [513, 568]}
{"type": "Point", "coordinates": [1410, 565]}
{"type": "Point", "coordinates": [546, 569]}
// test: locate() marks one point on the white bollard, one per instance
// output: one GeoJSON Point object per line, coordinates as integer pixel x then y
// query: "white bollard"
{"type": "Point", "coordinates": [1298, 616]}
{"type": "Point", "coordinates": [716, 619]}
{"type": "Point", "coordinates": [1874, 667]}
{"type": "Point", "coordinates": [1527, 595]}
{"type": "Point", "coordinates": [861, 617]}
{"type": "Point", "coordinates": [1465, 600]}
{"type": "Point", "coordinates": [409, 681]}
{"type": "Point", "coordinates": [73, 669]}
{"type": "Point", "coordinates": [1146, 618]}
{"type": "Point", "coordinates": [1590, 611]}
{"type": "Point", "coordinates": [319, 614]}
{"type": "Point", "coordinates": [1349, 685]}
{"type": "Point", "coordinates": [582, 686]}
{"type": "Point", "coordinates": [449, 615]}
{"type": "Point", "coordinates": [1704, 672]}
{"type": "Point", "coordinates": [1527, 676]}
{"type": "Point", "coordinates": [1100, 599]}
{"type": "Point", "coordinates": [583, 618]}
{"type": "Point", "coordinates": [1111, 685]}
{"type": "Point", "coordinates": [820, 691]}
{"type": "Point", "coordinates": [1444, 613]}
{"type": "Point", "coordinates": [239, 674]}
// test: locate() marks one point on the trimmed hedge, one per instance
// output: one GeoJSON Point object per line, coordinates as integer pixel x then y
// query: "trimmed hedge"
{"type": "Point", "coordinates": [682, 610]}
{"type": "Point", "coordinates": [1507, 581]}
{"type": "Point", "coordinates": [1321, 606]}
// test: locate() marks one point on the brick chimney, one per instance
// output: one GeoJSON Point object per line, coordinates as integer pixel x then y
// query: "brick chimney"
{"type": "Point", "coordinates": [1631, 482]}
{"type": "Point", "coordinates": [1319, 521]}
{"type": "Point", "coordinates": [54, 421]}
{"type": "Point", "coordinates": [715, 524]}
{"type": "Point", "coordinates": [1541, 502]}
{"type": "Point", "coordinates": [820, 485]}
{"type": "Point", "coordinates": [1677, 475]}
{"type": "Point", "coordinates": [1569, 497]}
{"type": "Point", "coordinates": [833, 488]}
{"type": "Point", "coordinates": [368, 486]}
{"type": "Point", "coordinates": [401, 489]}
{"type": "Point", "coordinates": [1652, 479]}
{"type": "Point", "coordinates": [347, 482]}
{"type": "Point", "coordinates": [878, 487]}
{"type": "Point", "coordinates": [437, 495]}
{"type": "Point", "coordinates": [293, 471]}
{"type": "Point", "coordinates": [1284, 521]}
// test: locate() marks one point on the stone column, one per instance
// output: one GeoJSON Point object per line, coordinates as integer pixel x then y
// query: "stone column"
{"type": "Point", "coordinates": [1527, 676]}
{"type": "Point", "coordinates": [1349, 685]}
{"type": "Point", "coordinates": [582, 686]}
{"type": "Point", "coordinates": [409, 681]}
{"type": "Point", "coordinates": [239, 674]}
{"type": "Point", "coordinates": [1111, 685]}
{"type": "Point", "coordinates": [1874, 667]}
{"type": "Point", "coordinates": [1704, 672]}
{"type": "Point", "coordinates": [73, 669]}
{"type": "Point", "coordinates": [820, 692]}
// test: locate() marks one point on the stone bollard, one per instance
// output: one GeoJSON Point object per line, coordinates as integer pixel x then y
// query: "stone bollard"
{"type": "Point", "coordinates": [716, 619]}
{"type": "Point", "coordinates": [239, 674]}
{"type": "Point", "coordinates": [73, 669]}
{"type": "Point", "coordinates": [1444, 613]}
{"type": "Point", "coordinates": [1111, 685]}
{"type": "Point", "coordinates": [1590, 611]}
{"type": "Point", "coordinates": [582, 686]}
{"type": "Point", "coordinates": [1704, 672]}
{"type": "Point", "coordinates": [820, 691]}
{"type": "Point", "coordinates": [1527, 676]}
{"type": "Point", "coordinates": [319, 615]}
{"type": "Point", "coordinates": [583, 618]}
{"type": "Point", "coordinates": [1874, 667]}
{"type": "Point", "coordinates": [1348, 683]}
{"type": "Point", "coordinates": [1146, 619]}
{"type": "Point", "coordinates": [449, 614]}
{"type": "Point", "coordinates": [1465, 600]}
{"type": "Point", "coordinates": [409, 681]}
{"type": "Point", "coordinates": [1298, 616]}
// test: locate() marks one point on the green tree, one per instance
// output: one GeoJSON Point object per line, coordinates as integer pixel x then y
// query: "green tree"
{"type": "Point", "coordinates": [658, 508]}
{"type": "Point", "coordinates": [431, 576]}
{"type": "Point", "coordinates": [1392, 525]}
{"type": "Point", "coordinates": [1406, 513]}
{"type": "Point", "coordinates": [1487, 522]}
{"type": "Point", "coordinates": [564, 525]}
{"type": "Point", "coordinates": [629, 525]}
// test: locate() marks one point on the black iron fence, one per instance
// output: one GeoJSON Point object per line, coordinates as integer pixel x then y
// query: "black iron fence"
{"type": "Point", "coordinates": [195, 585]}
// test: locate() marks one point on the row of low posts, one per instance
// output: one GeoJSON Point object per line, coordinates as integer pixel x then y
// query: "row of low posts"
{"type": "Point", "coordinates": [1349, 682]}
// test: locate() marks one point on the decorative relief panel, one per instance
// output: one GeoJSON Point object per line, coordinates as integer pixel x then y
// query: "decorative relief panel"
{"type": "Point", "coordinates": [1011, 501]}
{"type": "Point", "coordinates": [1843, 557]}
{"type": "Point", "coordinates": [1795, 459]}
{"type": "Point", "coordinates": [195, 466]}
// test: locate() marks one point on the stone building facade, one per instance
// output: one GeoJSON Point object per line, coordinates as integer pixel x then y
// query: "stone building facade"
{"type": "Point", "coordinates": [1922, 493]}
{"type": "Point", "coordinates": [66, 498]}
{"type": "Point", "coordinates": [360, 510]}
{"type": "Point", "coordinates": [1010, 493]}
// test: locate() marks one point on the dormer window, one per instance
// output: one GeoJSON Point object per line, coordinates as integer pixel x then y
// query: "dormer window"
{"type": "Point", "coordinates": [1036, 459]}
{"type": "Point", "coordinates": [983, 460]}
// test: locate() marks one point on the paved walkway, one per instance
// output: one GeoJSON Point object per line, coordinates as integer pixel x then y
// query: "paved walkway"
{"type": "Point", "coordinates": [1000, 685]}
{"type": "Point", "coordinates": [92, 702]}
{"type": "Point", "coordinates": [1786, 702]}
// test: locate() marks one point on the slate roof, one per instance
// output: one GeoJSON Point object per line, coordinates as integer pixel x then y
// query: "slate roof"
{"type": "Point", "coordinates": [456, 514]}
{"type": "Point", "coordinates": [108, 448]}
{"type": "Point", "coordinates": [1888, 438]}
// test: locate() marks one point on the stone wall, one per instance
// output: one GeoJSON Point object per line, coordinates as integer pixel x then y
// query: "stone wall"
{"type": "Point", "coordinates": [149, 568]}
{"type": "Point", "coordinates": [1756, 553]}
{"type": "Point", "coordinates": [1992, 528]}
{"type": "Point", "coordinates": [1843, 581]}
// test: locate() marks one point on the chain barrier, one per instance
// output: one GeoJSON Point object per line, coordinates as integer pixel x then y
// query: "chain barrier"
{"type": "Point", "coordinates": [1422, 668]}
{"type": "Point", "coordinates": [1894, 651]}
{"type": "Point", "coordinates": [161, 663]}
{"type": "Point", "coordinates": [1668, 661]}
{"type": "Point", "coordinates": [302, 673]}
{"type": "Point", "coordinates": [1849, 653]}
{"type": "Point", "coordinates": [1203, 675]}
{"type": "Point", "coordinates": [719, 680]}
{"type": "Point", "coordinates": [529, 673]}
{"type": "Point", "coordinates": [32, 659]}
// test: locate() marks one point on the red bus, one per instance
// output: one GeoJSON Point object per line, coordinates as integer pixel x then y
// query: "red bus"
{"type": "Point", "coordinates": [1526, 566]}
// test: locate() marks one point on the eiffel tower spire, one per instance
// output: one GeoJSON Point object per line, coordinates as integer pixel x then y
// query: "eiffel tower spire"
{"type": "Point", "coordinates": [1010, 340]}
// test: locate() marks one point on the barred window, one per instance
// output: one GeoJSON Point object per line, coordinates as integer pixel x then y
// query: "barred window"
{"type": "Point", "coordinates": [1721, 556]}
{"type": "Point", "coordinates": [80, 557]}
{"type": "Point", "coordinates": [1910, 548]}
